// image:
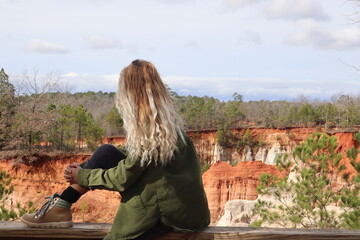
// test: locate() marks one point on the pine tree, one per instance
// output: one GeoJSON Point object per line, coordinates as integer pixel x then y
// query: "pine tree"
{"type": "Point", "coordinates": [350, 198]}
{"type": "Point", "coordinates": [114, 121]}
{"type": "Point", "coordinates": [93, 133]}
{"type": "Point", "coordinates": [62, 131]}
{"type": "Point", "coordinates": [81, 121]}
{"type": "Point", "coordinates": [75, 125]}
{"type": "Point", "coordinates": [306, 200]}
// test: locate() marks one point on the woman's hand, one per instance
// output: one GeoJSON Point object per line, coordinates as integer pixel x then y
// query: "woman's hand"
{"type": "Point", "coordinates": [71, 173]}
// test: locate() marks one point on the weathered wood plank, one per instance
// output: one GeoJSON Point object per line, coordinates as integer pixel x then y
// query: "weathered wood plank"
{"type": "Point", "coordinates": [78, 231]}
{"type": "Point", "coordinates": [19, 231]}
{"type": "Point", "coordinates": [244, 233]}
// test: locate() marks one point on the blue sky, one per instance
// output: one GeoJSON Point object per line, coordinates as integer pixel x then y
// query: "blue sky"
{"type": "Point", "coordinates": [262, 49]}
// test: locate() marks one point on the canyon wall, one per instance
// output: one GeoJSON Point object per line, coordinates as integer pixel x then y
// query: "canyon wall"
{"type": "Point", "coordinates": [273, 142]}
{"type": "Point", "coordinates": [45, 177]}
{"type": "Point", "coordinates": [222, 182]}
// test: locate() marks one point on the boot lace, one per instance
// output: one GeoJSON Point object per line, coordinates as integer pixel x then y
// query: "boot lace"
{"type": "Point", "coordinates": [40, 213]}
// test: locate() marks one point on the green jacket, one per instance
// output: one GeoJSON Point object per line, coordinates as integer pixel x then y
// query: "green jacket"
{"type": "Point", "coordinates": [173, 194]}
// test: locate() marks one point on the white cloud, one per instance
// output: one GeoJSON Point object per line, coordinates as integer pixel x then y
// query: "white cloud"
{"type": "Point", "coordinates": [86, 82]}
{"type": "Point", "coordinates": [223, 88]}
{"type": "Point", "coordinates": [294, 10]}
{"type": "Point", "coordinates": [250, 36]}
{"type": "Point", "coordinates": [11, 1]}
{"type": "Point", "coordinates": [259, 88]}
{"type": "Point", "coordinates": [346, 38]}
{"type": "Point", "coordinates": [70, 74]}
{"type": "Point", "coordinates": [175, 1]}
{"type": "Point", "coordinates": [184, 91]}
{"type": "Point", "coordinates": [100, 2]}
{"type": "Point", "coordinates": [309, 32]}
{"type": "Point", "coordinates": [191, 44]}
{"type": "Point", "coordinates": [235, 4]}
{"type": "Point", "coordinates": [112, 78]}
{"type": "Point", "coordinates": [100, 42]}
{"type": "Point", "coordinates": [316, 35]}
{"type": "Point", "coordinates": [132, 48]}
{"type": "Point", "coordinates": [39, 46]}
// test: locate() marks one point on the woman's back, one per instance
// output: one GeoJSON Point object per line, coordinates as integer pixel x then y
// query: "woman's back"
{"type": "Point", "coordinates": [172, 194]}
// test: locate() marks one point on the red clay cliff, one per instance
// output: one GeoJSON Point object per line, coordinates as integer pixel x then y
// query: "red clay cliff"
{"type": "Point", "coordinates": [222, 182]}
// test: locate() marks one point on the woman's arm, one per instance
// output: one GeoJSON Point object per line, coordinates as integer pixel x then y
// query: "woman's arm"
{"type": "Point", "coordinates": [118, 178]}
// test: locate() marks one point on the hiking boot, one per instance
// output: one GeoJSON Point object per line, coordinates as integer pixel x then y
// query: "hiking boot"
{"type": "Point", "coordinates": [55, 213]}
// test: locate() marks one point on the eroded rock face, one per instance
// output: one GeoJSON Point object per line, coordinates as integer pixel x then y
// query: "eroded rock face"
{"type": "Point", "coordinates": [223, 182]}
{"type": "Point", "coordinates": [274, 142]}
{"type": "Point", "coordinates": [274, 152]}
{"type": "Point", "coordinates": [205, 144]}
{"type": "Point", "coordinates": [237, 213]}
{"type": "Point", "coordinates": [44, 178]}
{"type": "Point", "coordinates": [218, 154]}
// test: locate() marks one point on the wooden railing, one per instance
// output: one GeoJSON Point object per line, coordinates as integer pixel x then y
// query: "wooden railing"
{"type": "Point", "coordinates": [18, 231]}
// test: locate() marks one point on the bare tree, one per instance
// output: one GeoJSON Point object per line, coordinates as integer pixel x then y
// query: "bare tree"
{"type": "Point", "coordinates": [35, 111]}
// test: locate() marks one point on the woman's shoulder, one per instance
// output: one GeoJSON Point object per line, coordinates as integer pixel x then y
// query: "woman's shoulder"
{"type": "Point", "coordinates": [183, 140]}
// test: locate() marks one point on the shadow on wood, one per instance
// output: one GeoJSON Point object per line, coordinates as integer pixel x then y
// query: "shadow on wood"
{"type": "Point", "coordinates": [19, 231]}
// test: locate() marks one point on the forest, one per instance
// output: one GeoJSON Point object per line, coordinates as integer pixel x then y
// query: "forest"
{"type": "Point", "coordinates": [41, 114]}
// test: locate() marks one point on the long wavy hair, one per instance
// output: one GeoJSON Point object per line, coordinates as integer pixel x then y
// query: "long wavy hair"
{"type": "Point", "coordinates": [152, 125]}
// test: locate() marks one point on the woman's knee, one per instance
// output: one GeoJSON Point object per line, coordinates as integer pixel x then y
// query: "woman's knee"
{"type": "Point", "coordinates": [111, 151]}
{"type": "Point", "coordinates": [106, 156]}
{"type": "Point", "coordinates": [107, 148]}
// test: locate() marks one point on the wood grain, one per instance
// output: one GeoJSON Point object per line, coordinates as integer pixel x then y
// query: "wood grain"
{"type": "Point", "coordinates": [18, 231]}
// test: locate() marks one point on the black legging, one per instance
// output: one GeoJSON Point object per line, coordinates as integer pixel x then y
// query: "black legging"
{"type": "Point", "coordinates": [107, 156]}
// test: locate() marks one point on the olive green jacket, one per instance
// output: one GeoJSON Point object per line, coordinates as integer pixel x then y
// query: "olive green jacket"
{"type": "Point", "coordinates": [173, 194]}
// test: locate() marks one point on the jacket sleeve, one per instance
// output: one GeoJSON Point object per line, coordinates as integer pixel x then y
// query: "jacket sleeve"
{"type": "Point", "coordinates": [118, 178]}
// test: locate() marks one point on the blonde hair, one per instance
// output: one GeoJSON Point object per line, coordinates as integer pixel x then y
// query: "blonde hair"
{"type": "Point", "coordinates": [152, 125]}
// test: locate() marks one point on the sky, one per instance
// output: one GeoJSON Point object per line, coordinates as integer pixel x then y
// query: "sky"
{"type": "Point", "coordinates": [261, 49]}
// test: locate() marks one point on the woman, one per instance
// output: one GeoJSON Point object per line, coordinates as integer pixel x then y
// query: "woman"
{"type": "Point", "coordinates": [159, 177]}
